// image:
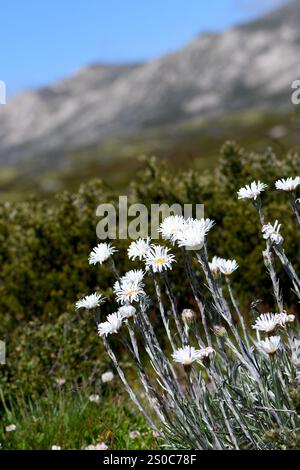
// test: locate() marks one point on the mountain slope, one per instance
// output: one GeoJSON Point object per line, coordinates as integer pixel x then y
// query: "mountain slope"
{"type": "Point", "coordinates": [248, 67]}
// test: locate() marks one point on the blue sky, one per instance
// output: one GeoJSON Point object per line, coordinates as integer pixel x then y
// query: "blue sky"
{"type": "Point", "coordinates": [42, 41]}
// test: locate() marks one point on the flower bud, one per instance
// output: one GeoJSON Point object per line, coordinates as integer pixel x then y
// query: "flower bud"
{"type": "Point", "coordinates": [188, 316]}
{"type": "Point", "coordinates": [220, 331]}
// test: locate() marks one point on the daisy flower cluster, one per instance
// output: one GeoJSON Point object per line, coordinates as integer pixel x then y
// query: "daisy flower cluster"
{"type": "Point", "coordinates": [155, 257]}
{"type": "Point", "coordinates": [207, 378]}
{"type": "Point", "coordinates": [268, 323]}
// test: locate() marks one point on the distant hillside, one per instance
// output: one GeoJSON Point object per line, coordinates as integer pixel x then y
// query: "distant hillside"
{"type": "Point", "coordinates": [250, 67]}
{"type": "Point", "coordinates": [190, 145]}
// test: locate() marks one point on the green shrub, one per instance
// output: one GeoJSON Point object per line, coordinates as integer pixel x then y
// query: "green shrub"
{"type": "Point", "coordinates": [43, 255]}
{"type": "Point", "coordinates": [62, 353]}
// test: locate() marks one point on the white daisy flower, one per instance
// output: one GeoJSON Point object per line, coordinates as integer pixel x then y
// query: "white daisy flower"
{"type": "Point", "coordinates": [60, 381]}
{"type": "Point", "coordinates": [94, 399]}
{"type": "Point", "coordinates": [195, 231]}
{"type": "Point", "coordinates": [159, 259]}
{"type": "Point", "coordinates": [227, 266]}
{"type": "Point", "coordinates": [128, 291]}
{"type": "Point", "coordinates": [100, 446]}
{"type": "Point", "coordinates": [107, 377]}
{"type": "Point", "coordinates": [215, 265]}
{"type": "Point", "coordinates": [270, 345]}
{"type": "Point", "coordinates": [112, 324]}
{"type": "Point", "coordinates": [187, 355]}
{"type": "Point", "coordinates": [10, 428]}
{"type": "Point", "coordinates": [289, 184]}
{"type": "Point", "coordinates": [252, 191]}
{"type": "Point", "coordinates": [271, 232]}
{"type": "Point", "coordinates": [266, 322]}
{"type": "Point", "coordinates": [283, 319]}
{"type": "Point", "coordinates": [206, 352]}
{"type": "Point", "coordinates": [90, 301]}
{"type": "Point", "coordinates": [135, 275]}
{"type": "Point", "coordinates": [101, 253]}
{"type": "Point", "coordinates": [134, 434]}
{"type": "Point", "coordinates": [171, 227]}
{"type": "Point", "coordinates": [127, 311]}
{"type": "Point", "coordinates": [139, 248]}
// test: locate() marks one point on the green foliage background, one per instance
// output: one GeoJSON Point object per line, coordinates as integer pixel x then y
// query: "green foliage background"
{"type": "Point", "coordinates": [44, 269]}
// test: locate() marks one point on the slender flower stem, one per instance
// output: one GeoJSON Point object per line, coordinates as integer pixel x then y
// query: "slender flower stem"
{"type": "Point", "coordinates": [162, 311]}
{"type": "Point", "coordinates": [151, 395]}
{"type": "Point", "coordinates": [294, 207]}
{"type": "Point", "coordinates": [133, 340]}
{"type": "Point", "coordinates": [242, 358]}
{"type": "Point", "coordinates": [269, 263]}
{"type": "Point", "coordinates": [114, 269]}
{"type": "Point", "coordinates": [289, 269]}
{"type": "Point", "coordinates": [198, 337]}
{"type": "Point", "coordinates": [214, 378]}
{"type": "Point", "coordinates": [268, 260]}
{"type": "Point", "coordinates": [257, 204]}
{"type": "Point", "coordinates": [238, 312]}
{"type": "Point", "coordinates": [169, 290]}
{"type": "Point", "coordinates": [157, 356]}
{"type": "Point", "coordinates": [287, 265]}
{"type": "Point", "coordinates": [277, 391]}
{"type": "Point", "coordinates": [126, 384]}
{"type": "Point", "coordinates": [220, 301]}
{"type": "Point", "coordinates": [193, 284]}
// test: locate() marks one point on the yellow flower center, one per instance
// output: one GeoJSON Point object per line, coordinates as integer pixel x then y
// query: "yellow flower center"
{"type": "Point", "coordinates": [160, 261]}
